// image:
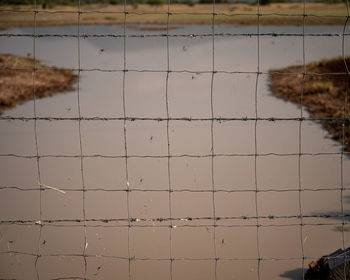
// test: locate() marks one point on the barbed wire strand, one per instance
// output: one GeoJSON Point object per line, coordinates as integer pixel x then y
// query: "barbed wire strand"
{"type": "Point", "coordinates": [153, 225]}
{"type": "Point", "coordinates": [124, 11]}
{"type": "Point", "coordinates": [162, 35]}
{"type": "Point", "coordinates": [98, 224]}
{"type": "Point", "coordinates": [336, 216]}
{"type": "Point", "coordinates": [181, 119]}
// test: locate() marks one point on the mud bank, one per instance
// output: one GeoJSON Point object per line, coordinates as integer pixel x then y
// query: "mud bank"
{"type": "Point", "coordinates": [17, 80]}
{"type": "Point", "coordinates": [324, 91]}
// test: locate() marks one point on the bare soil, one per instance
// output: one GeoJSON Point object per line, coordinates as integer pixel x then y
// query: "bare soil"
{"type": "Point", "coordinates": [17, 80]}
{"type": "Point", "coordinates": [323, 90]}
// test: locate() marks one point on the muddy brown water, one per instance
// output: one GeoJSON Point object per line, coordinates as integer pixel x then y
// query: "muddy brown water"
{"type": "Point", "coordinates": [61, 244]}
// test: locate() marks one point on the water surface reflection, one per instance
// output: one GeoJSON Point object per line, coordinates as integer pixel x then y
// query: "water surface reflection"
{"type": "Point", "coordinates": [192, 246]}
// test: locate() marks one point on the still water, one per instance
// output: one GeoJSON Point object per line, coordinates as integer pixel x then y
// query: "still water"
{"type": "Point", "coordinates": [194, 245]}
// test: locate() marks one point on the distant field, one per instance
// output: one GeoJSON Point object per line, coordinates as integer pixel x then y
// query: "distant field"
{"type": "Point", "coordinates": [273, 14]}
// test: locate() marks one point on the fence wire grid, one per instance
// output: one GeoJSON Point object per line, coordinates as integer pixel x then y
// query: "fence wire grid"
{"type": "Point", "coordinates": [169, 223]}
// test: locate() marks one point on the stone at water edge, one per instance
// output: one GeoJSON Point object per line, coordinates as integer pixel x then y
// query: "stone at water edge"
{"type": "Point", "coordinates": [334, 266]}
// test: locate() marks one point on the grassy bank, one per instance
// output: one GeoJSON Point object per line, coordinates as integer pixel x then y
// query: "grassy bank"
{"type": "Point", "coordinates": [272, 14]}
{"type": "Point", "coordinates": [16, 86]}
{"type": "Point", "coordinates": [324, 96]}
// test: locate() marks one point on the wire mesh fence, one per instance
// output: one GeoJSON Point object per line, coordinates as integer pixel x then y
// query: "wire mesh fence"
{"type": "Point", "coordinates": [164, 193]}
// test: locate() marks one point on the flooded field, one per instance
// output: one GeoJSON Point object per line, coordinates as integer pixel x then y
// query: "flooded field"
{"type": "Point", "coordinates": [149, 232]}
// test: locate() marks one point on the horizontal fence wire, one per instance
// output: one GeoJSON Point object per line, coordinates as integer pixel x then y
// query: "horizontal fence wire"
{"type": "Point", "coordinates": [160, 119]}
{"type": "Point", "coordinates": [178, 71]}
{"type": "Point", "coordinates": [157, 259]}
{"type": "Point", "coordinates": [117, 36]}
{"type": "Point", "coordinates": [168, 13]}
{"type": "Point", "coordinates": [173, 156]}
{"type": "Point", "coordinates": [227, 190]}
{"type": "Point", "coordinates": [270, 217]}
{"type": "Point", "coordinates": [299, 220]}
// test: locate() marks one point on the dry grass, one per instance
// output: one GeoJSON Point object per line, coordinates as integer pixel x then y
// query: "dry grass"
{"type": "Point", "coordinates": [19, 17]}
{"type": "Point", "coordinates": [16, 86]}
{"type": "Point", "coordinates": [324, 96]}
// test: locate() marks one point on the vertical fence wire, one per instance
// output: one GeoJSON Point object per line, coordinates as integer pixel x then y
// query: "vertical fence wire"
{"type": "Point", "coordinates": [212, 140]}
{"type": "Point", "coordinates": [344, 123]}
{"type": "Point", "coordinates": [81, 144]}
{"type": "Point", "coordinates": [36, 141]}
{"type": "Point", "coordinates": [256, 144]}
{"type": "Point", "coordinates": [125, 141]}
{"type": "Point", "coordinates": [168, 144]}
{"type": "Point", "coordinates": [300, 147]}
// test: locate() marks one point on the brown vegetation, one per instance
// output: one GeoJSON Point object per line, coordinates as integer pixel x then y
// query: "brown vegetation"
{"type": "Point", "coordinates": [325, 96]}
{"type": "Point", "coordinates": [17, 80]}
{"type": "Point", "coordinates": [227, 13]}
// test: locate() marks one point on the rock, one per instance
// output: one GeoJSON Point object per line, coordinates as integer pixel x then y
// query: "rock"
{"type": "Point", "coordinates": [334, 266]}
